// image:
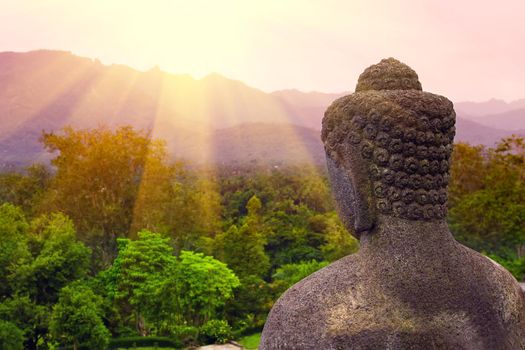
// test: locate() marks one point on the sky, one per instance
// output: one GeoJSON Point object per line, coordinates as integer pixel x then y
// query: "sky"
{"type": "Point", "coordinates": [465, 50]}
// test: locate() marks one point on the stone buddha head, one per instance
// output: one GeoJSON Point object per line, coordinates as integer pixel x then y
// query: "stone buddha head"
{"type": "Point", "coordinates": [388, 147]}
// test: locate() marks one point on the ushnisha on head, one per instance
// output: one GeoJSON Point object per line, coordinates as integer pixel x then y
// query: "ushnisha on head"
{"type": "Point", "coordinates": [388, 147]}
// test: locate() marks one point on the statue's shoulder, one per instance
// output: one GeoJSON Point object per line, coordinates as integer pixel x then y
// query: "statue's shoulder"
{"type": "Point", "coordinates": [302, 309]}
{"type": "Point", "coordinates": [495, 282]}
{"type": "Point", "coordinates": [494, 273]}
{"type": "Point", "coordinates": [494, 286]}
{"type": "Point", "coordinates": [338, 276]}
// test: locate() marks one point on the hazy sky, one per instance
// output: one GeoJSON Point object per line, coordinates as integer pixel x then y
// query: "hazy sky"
{"type": "Point", "coordinates": [464, 49]}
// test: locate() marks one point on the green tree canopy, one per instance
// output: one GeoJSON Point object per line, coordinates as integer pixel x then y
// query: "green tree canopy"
{"type": "Point", "coordinates": [97, 181]}
{"type": "Point", "coordinates": [58, 258]}
{"type": "Point", "coordinates": [338, 241]}
{"type": "Point", "coordinates": [77, 318]}
{"type": "Point", "coordinates": [139, 265]}
{"type": "Point", "coordinates": [490, 215]}
{"type": "Point", "coordinates": [203, 285]}
{"type": "Point", "coordinates": [289, 274]}
{"type": "Point", "coordinates": [11, 337]}
{"type": "Point", "coordinates": [192, 292]}
{"type": "Point", "coordinates": [180, 203]}
{"type": "Point", "coordinates": [164, 291]}
{"type": "Point", "coordinates": [29, 317]}
{"type": "Point", "coordinates": [25, 189]}
{"type": "Point", "coordinates": [243, 249]}
{"type": "Point", "coordinates": [14, 251]}
{"type": "Point", "coordinates": [487, 208]}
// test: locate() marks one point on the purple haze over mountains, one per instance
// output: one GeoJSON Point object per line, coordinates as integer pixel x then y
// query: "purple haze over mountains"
{"type": "Point", "coordinates": [213, 118]}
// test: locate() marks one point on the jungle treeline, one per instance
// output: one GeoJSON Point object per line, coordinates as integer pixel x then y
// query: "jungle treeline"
{"type": "Point", "coordinates": [115, 239]}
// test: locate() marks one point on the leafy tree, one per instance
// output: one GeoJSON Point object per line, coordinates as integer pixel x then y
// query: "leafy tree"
{"type": "Point", "coordinates": [39, 259]}
{"type": "Point", "coordinates": [97, 181]}
{"type": "Point", "coordinates": [77, 318]}
{"type": "Point", "coordinates": [491, 219]}
{"type": "Point", "coordinates": [488, 202]}
{"type": "Point", "coordinates": [250, 305]}
{"type": "Point", "coordinates": [339, 242]}
{"type": "Point", "coordinates": [58, 258]}
{"type": "Point", "coordinates": [139, 264]}
{"type": "Point", "coordinates": [215, 332]}
{"type": "Point", "coordinates": [25, 190]}
{"type": "Point", "coordinates": [14, 251]}
{"type": "Point", "coordinates": [29, 317]}
{"type": "Point", "coordinates": [291, 236]}
{"type": "Point", "coordinates": [201, 285]}
{"type": "Point", "coordinates": [490, 216]}
{"type": "Point", "coordinates": [164, 292]}
{"type": "Point", "coordinates": [11, 337]}
{"type": "Point", "coordinates": [243, 249]}
{"type": "Point", "coordinates": [289, 274]}
{"type": "Point", "coordinates": [290, 196]}
{"type": "Point", "coordinates": [303, 186]}
{"type": "Point", "coordinates": [254, 217]}
{"type": "Point", "coordinates": [180, 203]}
{"type": "Point", "coordinates": [467, 172]}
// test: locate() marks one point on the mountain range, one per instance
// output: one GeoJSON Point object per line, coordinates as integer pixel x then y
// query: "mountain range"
{"type": "Point", "coordinates": [210, 119]}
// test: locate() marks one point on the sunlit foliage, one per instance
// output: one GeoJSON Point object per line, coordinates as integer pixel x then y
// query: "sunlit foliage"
{"type": "Point", "coordinates": [157, 247]}
{"type": "Point", "coordinates": [488, 203]}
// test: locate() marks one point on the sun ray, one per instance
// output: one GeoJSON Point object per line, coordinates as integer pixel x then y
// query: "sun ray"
{"type": "Point", "coordinates": [104, 103]}
{"type": "Point", "coordinates": [233, 103]}
{"type": "Point", "coordinates": [45, 97]}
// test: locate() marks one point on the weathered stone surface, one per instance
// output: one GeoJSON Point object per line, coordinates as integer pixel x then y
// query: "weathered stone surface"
{"type": "Point", "coordinates": [411, 285]}
{"type": "Point", "coordinates": [221, 347]}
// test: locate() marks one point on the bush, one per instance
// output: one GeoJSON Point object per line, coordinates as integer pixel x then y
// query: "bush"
{"type": "Point", "coordinates": [289, 274]}
{"type": "Point", "coordinates": [79, 347]}
{"type": "Point", "coordinates": [515, 265]}
{"type": "Point", "coordinates": [130, 342]}
{"type": "Point", "coordinates": [215, 331]}
{"type": "Point", "coordinates": [186, 334]}
{"type": "Point", "coordinates": [77, 318]}
{"type": "Point", "coordinates": [11, 337]}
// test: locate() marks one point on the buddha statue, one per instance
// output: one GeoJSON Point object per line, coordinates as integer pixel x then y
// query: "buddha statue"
{"type": "Point", "coordinates": [411, 285]}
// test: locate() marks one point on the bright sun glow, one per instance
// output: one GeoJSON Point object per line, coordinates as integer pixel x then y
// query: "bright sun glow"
{"type": "Point", "coordinates": [196, 37]}
{"type": "Point", "coordinates": [274, 44]}
{"type": "Point", "coordinates": [189, 34]}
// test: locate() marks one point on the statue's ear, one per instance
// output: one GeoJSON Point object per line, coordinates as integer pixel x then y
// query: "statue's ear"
{"type": "Point", "coordinates": [365, 208]}
{"type": "Point", "coordinates": [352, 189]}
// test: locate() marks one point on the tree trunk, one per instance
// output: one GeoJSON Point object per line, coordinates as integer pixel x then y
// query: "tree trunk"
{"type": "Point", "coordinates": [139, 324]}
{"type": "Point", "coordinates": [520, 250]}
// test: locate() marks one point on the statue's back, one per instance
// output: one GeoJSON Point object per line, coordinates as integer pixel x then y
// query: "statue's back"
{"type": "Point", "coordinates": [353, 305]}
{"type": "Point", "coordinates": [411, 285]}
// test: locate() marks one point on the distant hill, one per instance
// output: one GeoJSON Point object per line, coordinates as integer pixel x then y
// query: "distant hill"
{"type": "Point", "coordinates": [493, 106]}
{"type": "Point", "coordinates": [511, 120]}
{"type": "Point", "coordinates": [307, 108]}
{"type": "Point", "coordinates": [495, 114]}
{"type": "Point", "coordinates": [476, 134]}
{"type": "Point", "coordinates": [60, 87]}
{"type": "Point", "coordinates": [257, 144]}
{"type": "Point", "coordinates": [210, 119]}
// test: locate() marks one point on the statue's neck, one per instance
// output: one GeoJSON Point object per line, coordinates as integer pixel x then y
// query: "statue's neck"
{"type": "Point", "coordinates": [400, 236]}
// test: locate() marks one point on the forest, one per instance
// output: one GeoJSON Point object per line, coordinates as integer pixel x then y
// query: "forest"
{"type": "Point", "coordinates": [116, 243]}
